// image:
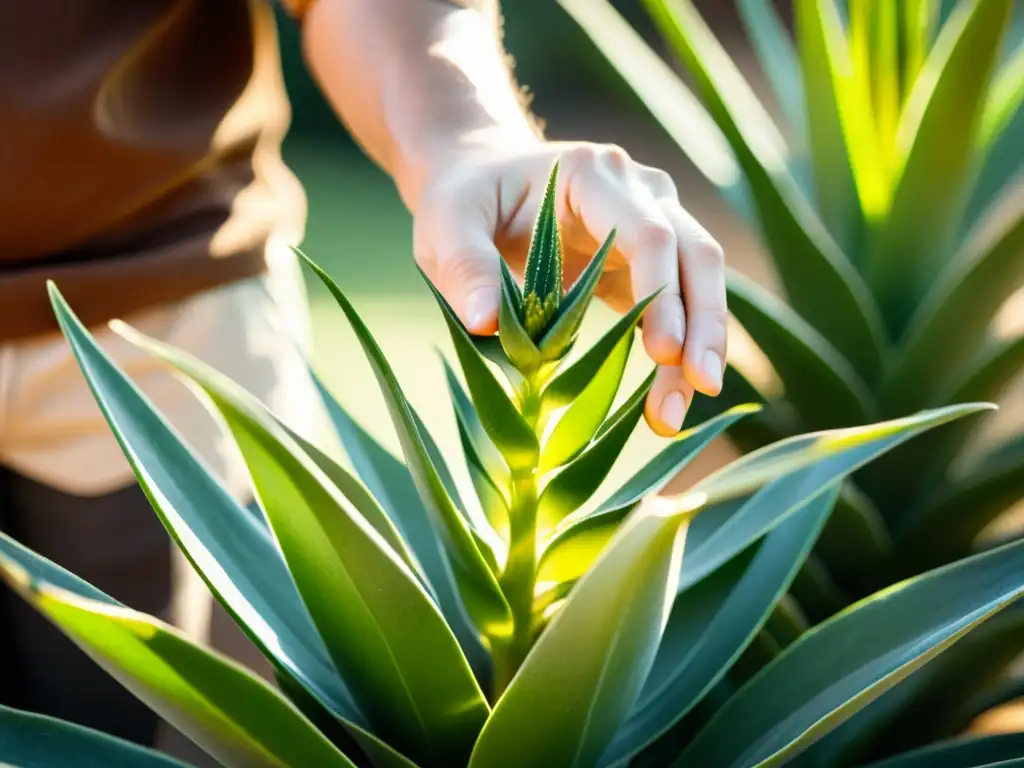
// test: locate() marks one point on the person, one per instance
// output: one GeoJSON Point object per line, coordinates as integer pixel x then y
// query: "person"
{"type": "Point", "coordinates": [141, 167]}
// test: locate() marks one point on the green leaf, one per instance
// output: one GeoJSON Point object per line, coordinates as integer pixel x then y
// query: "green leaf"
{"type": "Point", "coordinates": [927, 706]}
{"type": "Point", "coordinates": [571, 382]}
{"type": "Point", "coordinates": [392, 485]}
{"type": "Point", "coordinates": [233, 551]}
{"type": "Point", "coordinates": [1004, 750]}
{"type": "Point", "coordinates": [490, 348]}
{"type": "Point", "coordinates": [820, 383]}
{"type": "Point", "coordinates": [1004, 99]}
{"type": "Point", "coordinates": [580, 478]}
{"type": "Point", "coordinates": [486, 468]}
{"type": "Point", "coordinates": [589, 385]}
{"type": "Point", "coordinates": [29, 740]}
{"type": "Point", "coordinates": [500, 418]}
{"type": "Point", "coordinates": [383, 631]}
{"type": "Point", "coordinates": [848, 175]}
{"type": "Point", "coordinates": [543, 274]}
{"type": "Point", "coordinates": [856, 541]}
{"type": "Point", "coordinates": [820, 281]}
{"type": "Point", "coordinates": [918, 22]}
{"type": "Point", "coordinates": [946, 524]}
{"type": "Point", "coordinates": [554, 713]}
{"type": "Point", "coordinates": [666, 97]}
{"type": "Point", "coordinates": [577, 541]}
{"type": "Point", "coordinates": [956, 315]}
{"type": "Point", "coordinates": [812, 461]}
{"type": "Point", "coordinates": [845, 663]}
{"type": "Point", "coordinates": [568, 317]}
{"type": "Point", "coordinates": [711, 624]}
{"type": "Point", "coordinates": [480, 591]}
{"type": "Point", "coordinates": [513, 336]}
{"type": "Point", "coordinates": [775, 51]}
{"type": "Point", "coordinates": [874, 40]}
{"type": "Point", "coordinates": [230, 713]}
{"type": "Point", "coordinates": [935, 144]}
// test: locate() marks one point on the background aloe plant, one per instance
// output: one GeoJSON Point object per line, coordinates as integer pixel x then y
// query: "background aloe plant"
{"type": "Point", "coordinates": [532, 626]}
{"type": "Point", "coordinates": [890, 201]}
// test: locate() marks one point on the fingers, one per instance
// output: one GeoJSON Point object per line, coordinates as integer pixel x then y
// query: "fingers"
{"type": "Point", "coordinates": [456, 250]}
{"type": "Point", "coordinates": [603, 192]}
{"type": "Point", "coordinates": [702, 270]}
{"type": "Point", "coordinates": [668, 401]}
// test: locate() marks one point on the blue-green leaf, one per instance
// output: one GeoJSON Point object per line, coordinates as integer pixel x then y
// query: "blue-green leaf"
{"type": "Point", "coordinates": [229, 547]}
{"type": "Point", "coordinates": [842, 665]}
{"type": "Point", "coordinates": [393, 486]}
{"type": "Point", "coordinates": [229, 712]}
{"type": "Point", "coordinates": [382, 629]}
{"type": "Point", "coordinates": [29, 740]}
{"type": "Point", "coordinates": [479, 589]}
{"type": "Point", "coordinates": [1003, 750]}
{"type": "Point", "coordinates": [711, 624]}
{"type": "Point", "coordinates": [820, 383]}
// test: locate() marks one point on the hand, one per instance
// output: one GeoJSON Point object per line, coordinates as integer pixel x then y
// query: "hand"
{"type": "Point", "coordinates": [482, 202]}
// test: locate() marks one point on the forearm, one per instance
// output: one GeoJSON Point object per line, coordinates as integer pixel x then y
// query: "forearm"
{"type": "Point", "coordinates": [414, 80]}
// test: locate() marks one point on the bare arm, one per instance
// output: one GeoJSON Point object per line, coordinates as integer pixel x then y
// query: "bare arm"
{"type": "Point", "coordinates": [414, 79]}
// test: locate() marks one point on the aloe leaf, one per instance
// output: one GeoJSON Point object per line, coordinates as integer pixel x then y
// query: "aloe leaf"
{"type": "Point", "coordinates": [490, 348]}
{"type": "Point", "coordinates": [232, 714]}
{"type": "Point", "coordinates": [393, 486]}
{"type": "Point", "coordinates": [918, 22]}
{"type": "Point", "coordinates": [666, 97]}
{"type": "Point", "coordinates": [570, 312]}
{"type": "Point", "coordinates": [578, 541]}
{"type": "Point", "coordinates": [28, 740]}
{"type": "Point", "coordinates": [480, 592]}
{"type": "Point", "coordinates": [947, 524]}
{"type": "Point", "coordinates": [822, 385]}
{"type": "Point", "coordinates": [513, 336]}
{"type": "Point", "coordinates": [357, 494]}
{"type": "Point", "coordinates": [812, 461]}
{"type": "Point", "coordinates": [925, 707]}
{"type": "Point", "coordinates": [874, 41]}
{"type": "Point", "coordinates": [935, 146]}
{"type": "Point", "coordinates": [383, 631]}
{"type": "Point", "coordinates": [1003, 750]}
{"type": "Point", "coordinates": [555, 713]}
{"type": "Point", "coordinates": [775, 51]}
{"type": "Point", "coordinates": [848, 176]}
{"type": "Point", "coordinates": [567, 386]}
{"type": "Point", "coordinates": [1004, 99]}
{"type": "Point", "coordinates": [591, 402]}
{"type": "Point", "coordinates": [486, 539]}
{"type": "Point", "coordinates": [845, 663]}
{"type": "Point", "coordinates": [711, 625]}
{"type": "Point", "coordinates": [578, 480]}
{"type": "Point", "coordinates": [500, 418]}
{"type": "Point", "coordinates": [543, 273]}
{"type": "Point", "coordinates": [485, 473]}
{"type": "Point", "coordinates": [820, 281]}
{"type": "Point", "coordinates": [856, 541]}
{"type": "Point", "coordinates": [229, 547]}
{"type": "Point", "coordinates": [956, 315]}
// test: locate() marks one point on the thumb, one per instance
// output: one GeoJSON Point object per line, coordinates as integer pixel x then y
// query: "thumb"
{"type": "Point", "coordinates": [459, 256]}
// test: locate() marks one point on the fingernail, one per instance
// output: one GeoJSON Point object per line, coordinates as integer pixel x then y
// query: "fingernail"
{"type": "Point", "coordinates": [673, 409]}
{"type": "Point", "coordinates": [480, 307]}
{"type": "Point", "coordinates": [712, 365]}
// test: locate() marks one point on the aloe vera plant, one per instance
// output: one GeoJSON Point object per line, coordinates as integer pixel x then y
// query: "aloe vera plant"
{"type": "Point", "coordinates": [548, 622]}
{"type": "Point", "coordinates": [890, 201]}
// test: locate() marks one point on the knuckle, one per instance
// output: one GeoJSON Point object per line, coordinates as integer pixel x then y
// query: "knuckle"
{"type": "Point", "coordinates": [707, 252]}
{"type": "Point", "coordinates": [655, 236]}
{"type": "Point", "coordinates": [660, 183]}
{"type": "Point", "coordinates": [615, 158]}
{"type": "Point", "coordinates": [581, 157]}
